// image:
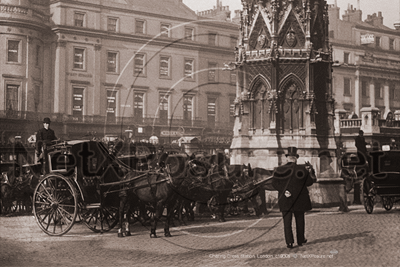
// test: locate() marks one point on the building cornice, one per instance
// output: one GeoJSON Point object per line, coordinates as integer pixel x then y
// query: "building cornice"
{"type": "Point", "coordinates": [142, 39]}
{"type": "Point", "coordinates": [365, 48]}
{"type": "Point", "coordinates": [27, 24]}
{"type": "Point", "coordinates": [377, 30]}
{"type": "Point", "coordinates": [199, 20]}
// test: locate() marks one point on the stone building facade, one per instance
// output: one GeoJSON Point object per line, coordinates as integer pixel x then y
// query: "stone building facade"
{"type": "Point", "coordinates": [284, 92]}
{"type": "Point", "coordinates": [122, 68]}
{"type": "Point", "coordinates": [366, 81]}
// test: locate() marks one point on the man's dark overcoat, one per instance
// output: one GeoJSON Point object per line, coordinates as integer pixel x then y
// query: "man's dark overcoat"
{"type": "Point", "coordinates": [295, 179]}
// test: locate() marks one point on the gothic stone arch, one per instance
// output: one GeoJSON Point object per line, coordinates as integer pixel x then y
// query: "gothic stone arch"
{"type": "Point", "coordinates": [260, 107]}
{"type": "Point", "coordinates": [291, 105]}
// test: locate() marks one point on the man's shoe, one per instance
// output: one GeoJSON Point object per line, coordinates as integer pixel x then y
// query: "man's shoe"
{"type": "Point", "coordinates": [290, 245]}
{"type": "Point", "coordinates": [305, 241]}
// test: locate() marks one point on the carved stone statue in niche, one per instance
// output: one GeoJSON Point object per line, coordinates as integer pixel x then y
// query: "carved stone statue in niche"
{"type": "Point", "coordinates": [291, 39]}
{"type": "Point", "coordinates": [262, 41]}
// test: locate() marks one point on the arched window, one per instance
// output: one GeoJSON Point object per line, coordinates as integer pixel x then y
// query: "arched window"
{"type": "Point", "coordinates": [260, 113]}
{"type": "Point", "coordinates": [291, 108]}
{"type": "Point", "coordinates": [257, 111]}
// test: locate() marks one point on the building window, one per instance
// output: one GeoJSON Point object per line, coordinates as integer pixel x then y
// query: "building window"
{"type": "Point", "coordinates": [140, 67]}
{"type": "Point", "coordinates": [212, 38]}
{"type": "Point", "coordinates": [77, 104]}
{"type": "Point", "coordinates": [189, 68]}
{"type": "Point", "coordinates": [111, 109]}
{"type": "Point", "coordinates": [79, 58]}
{"type": "Point", "coordinates": [163, 108]}
{"type": "Point", "coordinates": [138, 106]}
{"type": "Point", "coordinates": [377, 41]}
{"type": "Point", "coordinates": [112, 62]}
{"type": "Point", "coordinates": [391, 44]}
{"type": "Point", "coordinates": [211, 111]}
{"type": "Point", "coordinates": [365, 88]}
{"type": "Point", "coordinates": [378, 90]}
{"type": "Point", "coordinates": [187, 108]}
{"type": "Point", "coordinates": [346, 58]}
{"type": "Point", "coordinates": [13, 51]}
{"type": "Point", "coordinates": [347, 86]}
{"type": "Point", "coordinates": [79, 19]}
{"type": "Point", "coordinates": [165, 30]}
{"type": "Point", "coordinates": [394, 94]}
{"type": "Point", "coordinates": [189, 34]}
{"type": "Point", "coordinates": [332, 34]}
{"type": "Point", "coordinates": [233, 41]}
{"type": "Point", "coordinates": [12, 97]}
{"type": "Point", "coordinates": [112, 24]}
{"type": "Point", "coordinates": [165, 67]}
{"type": "Point", "coordinates": [212, 72]}
{"type": "Point", "coordinates": [140, 27]}
{"type": "Point", "coordinates": [232, 109]}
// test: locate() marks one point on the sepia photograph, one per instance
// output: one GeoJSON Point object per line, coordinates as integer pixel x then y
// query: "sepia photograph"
{"type": "Point", "coordinates": [199, 133]}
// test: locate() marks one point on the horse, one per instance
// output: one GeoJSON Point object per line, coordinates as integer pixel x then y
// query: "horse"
{"type": "Point", "coordinates": [208, 183]}
{"type": "Point", "coordinates": [252, 183]}
{"type": "Point", "coordinates": [156, 188]}
{"type": "Point", "coordinates": [18, 186]}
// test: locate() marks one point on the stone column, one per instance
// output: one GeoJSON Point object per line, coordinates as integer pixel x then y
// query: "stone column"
{"type": "Point", "coordinates": [357, 94]}
{"type": "Point", "coordinates": [60, 79]}
{"type": "Point", "coordinates": [98, 94]}
{"type": "Point", "coordinates": [372, 93]}
{"type": "Point", "coordinates": [28, 84]}
{"type": "Point", "coordinates": [386, 98]}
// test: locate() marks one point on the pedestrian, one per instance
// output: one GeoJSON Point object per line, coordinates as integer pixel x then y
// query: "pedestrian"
{"type": "Point", "coordinates": [44, 138]}
{"type": "Point", "coordinates": [393, 145]}
{"type": "Point", "coordinates": [291, 181]}
{"type": "Point", "coordinates": [361, 145]}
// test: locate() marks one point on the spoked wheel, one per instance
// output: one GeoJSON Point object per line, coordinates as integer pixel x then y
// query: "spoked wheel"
{"type": "Point", "coordinates": [100, 219]}
{"type": "Point", "coordinates": [369, 196]}
{"type": "Point", "coordinates": [387, 203]}
{"type": "Point", "coordinates": [150, 212]}
{"type": "Point", "coordinates": [55, 204]}
{"type": "Point", "coordinates": [135, 215]}
{"type": "Point", "coordinates": [212, 206]}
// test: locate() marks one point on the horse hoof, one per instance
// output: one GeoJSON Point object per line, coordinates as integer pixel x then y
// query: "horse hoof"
{"type": "Point", "coordinates": [120, 235]}
{"type": "Point", "coordinates": [167, 234]}
{"type": "Point", "coordinates": [153, 236]}
{"type": "Point", "coordinates": [128, 233]}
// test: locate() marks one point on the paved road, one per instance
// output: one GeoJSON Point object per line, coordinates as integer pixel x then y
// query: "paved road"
{"type": "Point", "coordinates": [335, 239]}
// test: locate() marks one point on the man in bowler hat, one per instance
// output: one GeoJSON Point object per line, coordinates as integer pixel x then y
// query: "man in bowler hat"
{"type": "Point", "coordinates": [44, 137]}
{"type": "Point", "coordinates": [291, 181]}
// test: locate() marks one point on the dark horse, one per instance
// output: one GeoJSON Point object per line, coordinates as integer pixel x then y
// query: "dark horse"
{"type": "Point", "coordinates": [250, 186]}
{"type": "Point", "coordinates": [18, 185]}
{"type": "Point", "coordinates": [208, 182]}
{"type": "Point", "coordinates": [156, 188]}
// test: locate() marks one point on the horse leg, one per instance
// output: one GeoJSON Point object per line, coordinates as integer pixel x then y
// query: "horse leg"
{"type": "Point", "coordinates": [128, 218]}
{"type": "Point", "coordinates": [263, 206]}
{"type": "Point", "coordinates": [253, 200]}
{"type": "Point", "coordinates": [159, 210]}
{"type": "Point", "coordinates": [220, 208]}
{"type": "Point", "coordinates": [121, 211]}
{"type": "Point", "coordinates": [189, 210]}
{"type": "Point", "coordinates": [170, 214]}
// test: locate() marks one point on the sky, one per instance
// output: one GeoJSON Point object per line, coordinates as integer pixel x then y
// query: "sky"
{"type": "Point", "coordinates": [390, 8]}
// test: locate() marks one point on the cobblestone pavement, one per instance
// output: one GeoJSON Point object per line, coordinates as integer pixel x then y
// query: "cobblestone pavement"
{"type": "Point", "coordinates": [334, 239]}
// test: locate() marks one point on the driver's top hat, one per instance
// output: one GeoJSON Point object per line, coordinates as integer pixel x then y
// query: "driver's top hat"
{"type": "Point", "coordinates": [46, 120]}
{"type": "Point", "coordinates": [292, 151]}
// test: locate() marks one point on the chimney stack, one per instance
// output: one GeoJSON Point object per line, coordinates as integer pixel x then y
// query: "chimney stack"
{"type": "Point", "coordinates": [397, 23]}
